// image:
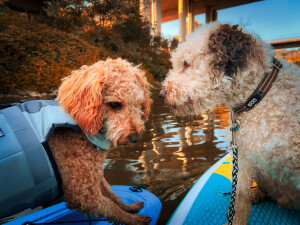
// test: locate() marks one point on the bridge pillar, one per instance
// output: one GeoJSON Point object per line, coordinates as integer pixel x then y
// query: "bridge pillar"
{"type": "Point", "coordinates": [182, 19]}
{"type": "Point", "coordinates": [156, 16]}
{"type": "Point", "coordinates": [210, 15]}
{"type": "Point", "coordinates": [191, 17]}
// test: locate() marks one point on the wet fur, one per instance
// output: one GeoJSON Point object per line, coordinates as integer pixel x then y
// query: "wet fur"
{"type": "Point", "coordinates": [225, 65]}
{"type": "Point", "coordinates": [86, 95]}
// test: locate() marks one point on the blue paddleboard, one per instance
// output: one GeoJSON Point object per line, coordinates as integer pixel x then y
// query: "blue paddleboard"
{"type": "Point", "coordinates": [59, 214]}
{"type": "Point", "coordinates": [208, 200]}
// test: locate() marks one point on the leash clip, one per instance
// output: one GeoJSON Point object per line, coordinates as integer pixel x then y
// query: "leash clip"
{"type": "Point", "coordinates": [235, 124]}
{"type": "Point", "coordinates": [236, 127]}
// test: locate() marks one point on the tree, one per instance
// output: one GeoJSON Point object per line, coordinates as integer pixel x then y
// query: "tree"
{"type": "Point", "coordinates": [117, 25]}
{"type": "Point", "coordinates": [66, 15]}
{"type": "Point", "coordinates": [174, 43]}
{"type": "Point", "coordinates": [165, 45]}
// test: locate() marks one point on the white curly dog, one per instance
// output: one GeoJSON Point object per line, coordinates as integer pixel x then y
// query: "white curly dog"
{"type": "Point", "coordinates": [224, 64]}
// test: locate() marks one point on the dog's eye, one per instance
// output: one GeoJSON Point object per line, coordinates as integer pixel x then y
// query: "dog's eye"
{"type": "Point", "coordinates": [185, 65]}
{"type": "Point", "coordinates": [115, 105]}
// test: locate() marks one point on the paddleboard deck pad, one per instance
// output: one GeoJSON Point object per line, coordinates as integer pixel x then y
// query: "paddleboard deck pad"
{"type": "Point", "coordinates": [208, 200]}
{"type": "Point", "coordinates": [60, 214]}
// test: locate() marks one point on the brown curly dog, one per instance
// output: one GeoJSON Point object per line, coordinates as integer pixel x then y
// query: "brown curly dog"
{"type": "Point", "coordinates": [111, 96]}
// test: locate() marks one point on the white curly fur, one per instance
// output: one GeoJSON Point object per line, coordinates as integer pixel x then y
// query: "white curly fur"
{"type": "Point", "coordinates": [269, 137]}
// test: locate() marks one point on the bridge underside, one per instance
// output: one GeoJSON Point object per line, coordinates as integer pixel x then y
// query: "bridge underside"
{"type": "Point", "coordinates": [160, 11]}
{"type": "Point", "coordinates": [291, 43]}
{"type": "Point", "coordinates": [169, 8]}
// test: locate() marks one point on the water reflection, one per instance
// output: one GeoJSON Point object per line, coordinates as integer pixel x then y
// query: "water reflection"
{"type": "Point", "coordinates": [173, 153]}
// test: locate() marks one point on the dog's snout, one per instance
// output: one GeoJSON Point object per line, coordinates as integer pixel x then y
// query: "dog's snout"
{"type": "Point", "coordinates": [162, 95]}
{"type": "Point", "coordinates": [134, 138]}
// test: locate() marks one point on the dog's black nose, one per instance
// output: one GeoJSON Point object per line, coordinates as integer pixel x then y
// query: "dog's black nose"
{"type": "Point", "coordinates": [134, 138]}
{"type": "Point", "coordinates": [162, 95]}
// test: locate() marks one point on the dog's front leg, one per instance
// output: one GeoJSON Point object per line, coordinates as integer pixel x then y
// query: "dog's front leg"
{"type": "Point", "coordinates": [106, 191]}
{"type": "Point", "coordinates": [103, 206]}
{"type": "Point", "coordinates": [81, 170]}
{"type": "Point", "coordinates": [242, 202]}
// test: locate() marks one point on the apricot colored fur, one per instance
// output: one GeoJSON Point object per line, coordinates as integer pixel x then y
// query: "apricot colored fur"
{"type": "Point", "coordinates": [86, 95]}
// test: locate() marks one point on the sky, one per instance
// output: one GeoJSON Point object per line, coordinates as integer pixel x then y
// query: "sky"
{"type": "Point", "coordinates": [270, 19]}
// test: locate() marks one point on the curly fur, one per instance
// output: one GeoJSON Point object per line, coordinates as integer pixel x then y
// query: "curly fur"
{"type": "Point", "coordinates": [230, 46]}
{"type": "Point", "coordinates": [225, 65]}
{"type": "Point", "coordinates": [87, 95]}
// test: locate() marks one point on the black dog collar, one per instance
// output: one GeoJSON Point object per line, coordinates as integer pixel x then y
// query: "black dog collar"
{"type": "Point", "coordinates": [262, 89]}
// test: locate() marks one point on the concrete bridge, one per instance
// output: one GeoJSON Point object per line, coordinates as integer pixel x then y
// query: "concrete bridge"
{"type": "Point", "coordinates": [159, 11]}
{"type": "Point", "coordinates": [287, 43]}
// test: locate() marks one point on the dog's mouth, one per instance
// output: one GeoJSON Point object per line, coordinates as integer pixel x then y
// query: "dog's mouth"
{"type": "Point", "coordinates": [188, 105]}
{"type": "Point", "coordinates": [134, 138]}
{"type": "Point", "coordinates": [188, 108]}
{"type": "Point", "coordinates": [125, 133]}
{"type": "Point", "coordinates": [189, 102]}
{"type": "Point", "coordinates": [102, 130]}
{"type": "Point", "coordinates": [174, 106]}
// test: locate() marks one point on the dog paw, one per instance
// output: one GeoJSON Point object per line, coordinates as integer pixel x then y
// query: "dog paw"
{"type": "Point", "coordinates": [142, 220]}
{"type": "Point", "coordinates": [284, 201]}
{"type": "Point", "coordinates": [135, 207]}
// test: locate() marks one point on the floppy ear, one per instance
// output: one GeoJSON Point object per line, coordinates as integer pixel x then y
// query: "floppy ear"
{"type": "Point", "coordinates": [80, 95]}
{"type": "Point", "coordinates": [145, 86]}
{"type": "Point", "coordinates": [232, 49]}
